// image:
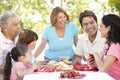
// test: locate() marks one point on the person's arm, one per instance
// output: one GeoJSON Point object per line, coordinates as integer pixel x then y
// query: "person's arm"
{"type": "Point", "coordinates": [75, 40]}
{"type": "Point", "coordinates": [40, 48]}
{"type": "Point", "coordinates": [21, 72]}
{"type": "Point", "coordinates": [78, 56]}
{"type": "Point", "coordinates": [104, 65]}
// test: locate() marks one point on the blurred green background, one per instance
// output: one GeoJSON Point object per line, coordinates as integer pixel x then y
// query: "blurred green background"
{"type": "Point", "coordinates": [34, 14]}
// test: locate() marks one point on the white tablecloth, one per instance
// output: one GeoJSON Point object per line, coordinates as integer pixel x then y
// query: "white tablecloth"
{"type": "Point", "coordinates": [55, 76]}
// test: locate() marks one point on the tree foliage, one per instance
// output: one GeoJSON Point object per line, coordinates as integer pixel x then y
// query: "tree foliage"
{"type": "Point", "coordinates": [115, 5]}
{"type": "Point", "coordinates": [34, 14]}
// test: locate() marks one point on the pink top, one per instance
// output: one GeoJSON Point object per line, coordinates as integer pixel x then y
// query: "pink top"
{"type": "Point", "coordinates": [5, 46]}
{"type": "Point", "coordinates": [15, 66]}
{"type": "Point", "coordinates": [114, 50]}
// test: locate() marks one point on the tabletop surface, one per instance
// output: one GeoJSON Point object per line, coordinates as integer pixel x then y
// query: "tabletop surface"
{"type": "Point", "coordinates": [90, 75]}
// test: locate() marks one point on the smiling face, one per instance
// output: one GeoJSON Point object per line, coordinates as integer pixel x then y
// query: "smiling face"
{"type": "Point", "coordinates": [89, 25]}
{"type": "Point", "coordinates": [13, 28]}
{"type": "Point", "coordinates": [61, 19]}
{"type": "Point", "coordinates": [104, 30]}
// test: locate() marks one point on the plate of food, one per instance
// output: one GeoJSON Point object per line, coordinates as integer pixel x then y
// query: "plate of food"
{"type": "Point", "coordinates": [71, 74]}
{"type": "Point", "coordinates": [84, 67]}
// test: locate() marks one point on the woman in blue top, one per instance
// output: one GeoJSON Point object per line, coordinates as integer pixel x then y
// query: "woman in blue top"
{"type": "Point", "coordinates": [60, 36]}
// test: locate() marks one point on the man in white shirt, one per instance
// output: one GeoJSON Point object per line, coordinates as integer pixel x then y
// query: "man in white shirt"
{"type": "Point", "coordinates": [9, 30]}
{"type": "Point", "coordinates": [90, 40]}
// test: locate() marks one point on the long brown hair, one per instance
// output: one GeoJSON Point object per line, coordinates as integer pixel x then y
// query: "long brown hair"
{"type": "Point", "coordinates": [26, 37]}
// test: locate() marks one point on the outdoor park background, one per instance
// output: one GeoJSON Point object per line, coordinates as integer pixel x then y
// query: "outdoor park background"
{"type": "Point", "coordinates": [35, 14]}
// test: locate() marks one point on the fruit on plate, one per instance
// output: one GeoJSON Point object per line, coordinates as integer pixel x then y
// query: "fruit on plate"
{"type": "Point", "coordinates": [36, 70]}
{"type": "Point", "coordinates": [45, 69]}
{"type": "Point", "coordinates": [84, 67]}
{"type": "Point", "coordinates": [70, 74]}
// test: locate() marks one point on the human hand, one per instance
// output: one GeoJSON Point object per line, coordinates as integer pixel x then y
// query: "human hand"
{"type": "Point", "coordinates": [34, 66]}
{"type": "Point", "coordinates": [95, 54]}
{"type": "Point", "coordinates": [76, 59]}
{"type": "Point", "coordinates": [91, 60]}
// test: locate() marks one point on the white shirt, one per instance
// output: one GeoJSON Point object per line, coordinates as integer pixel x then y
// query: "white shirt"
{"type": "Point", "coordinates": [5, 46]}
{"type": "Point", "coordinates": [84, 45]}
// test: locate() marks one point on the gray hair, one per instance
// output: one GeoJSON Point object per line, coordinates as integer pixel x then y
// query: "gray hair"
{"type": "Point", "coordinates": [4, 19]}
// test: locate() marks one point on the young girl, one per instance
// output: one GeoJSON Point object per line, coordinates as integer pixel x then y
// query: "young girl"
{"type": "Point", "coordinates": [29, 38]}
{"type": "Point", "coordinates": [16, 69]}
{"type": "Point", "coordinates": [110, 63]}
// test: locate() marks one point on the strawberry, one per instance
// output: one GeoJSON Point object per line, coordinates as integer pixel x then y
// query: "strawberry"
{"type": "Point", "coordinates": [78, 77]}
{"type": "Point", "coordinates": [69, 75]}
{"type": "Point", "coordinates": [86, 69]}
{"type": "Point", "coordinates": [36, 70]}
{"type": "Point", "coordinates": [73, 73]}
{"type": "Point", "coordinates": [62, 75]}
{"type": "Point", "coordinates": [77, 74]}
{"type": "Point", "coordinates": [83, 75]}
{"type": "Point", "coordinates": [65, 74]}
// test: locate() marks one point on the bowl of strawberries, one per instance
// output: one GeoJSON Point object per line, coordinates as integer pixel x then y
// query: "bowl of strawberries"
{"type": "Point", "coordinates": [71, 74]}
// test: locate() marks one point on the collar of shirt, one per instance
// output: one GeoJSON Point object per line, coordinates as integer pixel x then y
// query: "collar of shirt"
{"type": "Point", "coordinates": [7, 41]}
{"type": "Point", "coordinates": [98, 36]}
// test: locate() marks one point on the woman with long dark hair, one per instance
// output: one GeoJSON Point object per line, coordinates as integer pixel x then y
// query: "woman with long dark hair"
{"type": "Point", "coordinates": [110, 63]}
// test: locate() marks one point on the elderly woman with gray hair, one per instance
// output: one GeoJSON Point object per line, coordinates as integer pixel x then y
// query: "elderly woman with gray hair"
{"type": "Point", "coordinates": [9, 30]}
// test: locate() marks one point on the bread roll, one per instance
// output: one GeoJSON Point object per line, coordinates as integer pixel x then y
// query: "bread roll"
{"type": "Point", "coordinates": [52, 63]}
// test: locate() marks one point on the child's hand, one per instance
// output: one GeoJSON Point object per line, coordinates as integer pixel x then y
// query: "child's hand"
{"type": "Point", "coordinates": [34, 67]}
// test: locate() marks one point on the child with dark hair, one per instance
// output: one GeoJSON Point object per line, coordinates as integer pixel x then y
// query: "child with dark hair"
{"type": "Point", "coordinates": [110, 63]}
{"type": "Point", "coordinates": [29, 38]}
{"type": "Point", "coordinates": [16, 69]}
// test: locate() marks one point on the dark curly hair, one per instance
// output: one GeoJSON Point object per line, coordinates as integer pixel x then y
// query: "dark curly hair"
{"type": "Point", "coordinates": [113, 21]}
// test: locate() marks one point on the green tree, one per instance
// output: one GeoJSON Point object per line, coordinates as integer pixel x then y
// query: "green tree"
{"type": "Point", "coordinates": [115, 5]}
{"type": "Point", "coordinates": [34, 14]}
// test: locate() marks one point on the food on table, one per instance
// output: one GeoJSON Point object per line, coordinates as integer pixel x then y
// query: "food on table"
{"type": "Point", "coordinates": [43, 62]}
{"type": "Point", "coordinates": [64, 66]}
{"type": "Point", "coordinates": [45, 69]}
{"type": "Point", "coordinates": [67, 62]}
{"type": "Point", "coordinates": [71, 74]}
{"type": "Point", "coordinates": [52, 63]}
{"type": "Point", "coordinates": [64, 58]}
{"type": "Point", "coordinates": [84, 67]}
{"type": "Point", "coordinates": [61, 65]}
{"type": "Point", "coordinates": [36, 70]}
